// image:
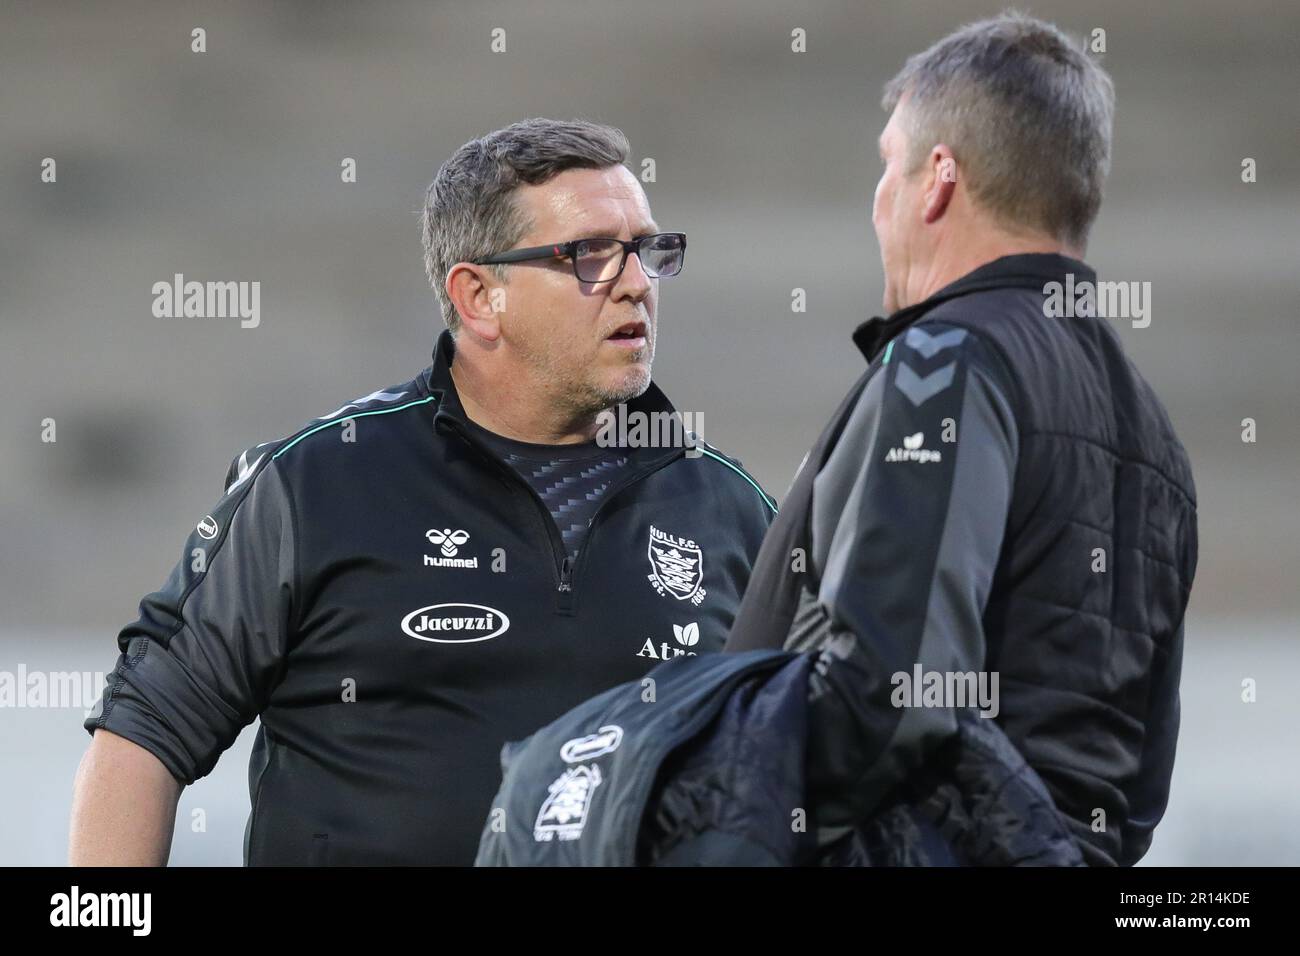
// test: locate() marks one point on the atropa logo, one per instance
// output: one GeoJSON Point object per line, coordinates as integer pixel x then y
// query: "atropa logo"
{"type": "Point", "coordinates": [455, 623]}
{"type": "Point", "coordinates": [687, 636]}
{"type": "Point", "coordinates": [912, 450]}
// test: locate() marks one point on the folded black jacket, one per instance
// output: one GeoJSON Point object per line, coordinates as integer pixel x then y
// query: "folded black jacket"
{"type": "Point", "coordinates": [701, 763]}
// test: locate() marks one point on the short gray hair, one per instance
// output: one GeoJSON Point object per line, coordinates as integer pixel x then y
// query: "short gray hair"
{"type": "Point", "coordinates": [470, 210]}
{"type": "Point", "coordinates": [1027, 114]}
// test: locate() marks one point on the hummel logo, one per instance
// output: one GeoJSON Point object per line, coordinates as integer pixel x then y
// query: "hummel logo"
{"type": "Point", "coordinates": [920, 389]}
{"type": "Point", "coordinates": [912, 450]}
{"type": "Point", "coordinates": [450, 540]}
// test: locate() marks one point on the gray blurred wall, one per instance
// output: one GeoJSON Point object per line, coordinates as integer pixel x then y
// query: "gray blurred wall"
{"type": "Point", "coordinates": [225, 165]}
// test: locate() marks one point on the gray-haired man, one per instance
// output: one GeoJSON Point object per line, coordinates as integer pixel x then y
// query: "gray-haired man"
{"type": "Point", "coordinates": [403, 585]}
{"type": "Point", "coordinates": [1000, 514]}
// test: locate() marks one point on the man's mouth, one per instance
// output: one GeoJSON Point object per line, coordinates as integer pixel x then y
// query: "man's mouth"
{"type": "Point", "coordinates": [629, 335]}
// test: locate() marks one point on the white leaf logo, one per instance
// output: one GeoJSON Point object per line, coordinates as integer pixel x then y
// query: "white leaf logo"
{"type": "Point", "coordinates": [913, 442]}
{"type": "Point", "coordinates": [688, 635]}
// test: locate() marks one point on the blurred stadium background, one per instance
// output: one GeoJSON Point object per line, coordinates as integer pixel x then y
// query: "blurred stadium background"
{"type": "Point", "coordinates": [225, 165]}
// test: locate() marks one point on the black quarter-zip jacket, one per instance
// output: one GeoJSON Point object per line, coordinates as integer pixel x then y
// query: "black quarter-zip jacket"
{"type": "Point", "coordinates": [395, 603]}
{"type": "Point", "coordinates": [1001, 493]}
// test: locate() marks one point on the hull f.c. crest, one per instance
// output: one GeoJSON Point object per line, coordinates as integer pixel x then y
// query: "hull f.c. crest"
{"type": "Point", "coordinates": [676, 566]}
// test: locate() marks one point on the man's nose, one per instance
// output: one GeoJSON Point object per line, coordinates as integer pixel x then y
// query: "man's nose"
{"type": "Point", "coordinates": [633, 284]}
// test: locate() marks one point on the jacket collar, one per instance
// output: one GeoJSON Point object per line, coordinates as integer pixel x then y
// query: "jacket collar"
{"type": "Point", "coordinates": [439, 383]}
{"type": "Point", "coordinates": [1031, 270]}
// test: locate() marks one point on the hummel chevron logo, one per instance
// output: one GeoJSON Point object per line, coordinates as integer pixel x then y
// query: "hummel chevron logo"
{"type": "Point", "coordinates": [919, 389]}
{"type": "Point", "coordinates": [245, 470]}
{"type": "Point", "coordinates": [930, 345]}
{"type": "Point", "coordinates": [379, 396]}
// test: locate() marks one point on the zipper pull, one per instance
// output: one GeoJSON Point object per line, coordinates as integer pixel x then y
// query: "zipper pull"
{"type": "Point", "coordinates": [566, 574]}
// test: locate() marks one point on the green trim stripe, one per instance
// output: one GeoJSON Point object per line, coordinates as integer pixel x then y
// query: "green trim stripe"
{"type": "Point", "coordinates": [762, 494]}
{"type": "Point", "coordinates": [424, 401]}
{"type": "Point", "coordinates": [888, 351]}
{"type": "Point", "coordinates": [336, 421]}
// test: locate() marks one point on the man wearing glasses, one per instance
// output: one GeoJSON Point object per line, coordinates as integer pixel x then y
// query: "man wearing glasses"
{"type": "Point", "coordinates": [400, 587]}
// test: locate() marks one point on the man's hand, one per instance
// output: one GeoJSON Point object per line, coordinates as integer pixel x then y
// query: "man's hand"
{"type": "Point", "coordinates": [123, 806]}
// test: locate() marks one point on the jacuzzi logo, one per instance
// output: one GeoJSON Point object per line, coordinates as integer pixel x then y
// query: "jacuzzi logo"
{"type": "Point", "coordinates": [455, 623]}
{"type": "Point", "coordinates": [605, 740]}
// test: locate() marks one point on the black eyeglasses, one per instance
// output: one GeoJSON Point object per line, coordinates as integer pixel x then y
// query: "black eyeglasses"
{"type": "Point", "coordinates": [602, 260]}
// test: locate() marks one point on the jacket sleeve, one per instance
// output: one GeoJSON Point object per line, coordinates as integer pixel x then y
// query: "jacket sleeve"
{"type": "Point", "coordinates": [925, 470]}
{"type": "Point", "coordinates": [208, 648]}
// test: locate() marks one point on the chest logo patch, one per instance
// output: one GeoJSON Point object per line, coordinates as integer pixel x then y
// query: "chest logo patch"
{"type": "Point", "coordinates": [563, 813]}
{"type": "Point", "coordinates": [676, 566]}
{"type": "Point", "coordinates": [449, 544]}
{"type": "Point", "coordinates": [455, 623]}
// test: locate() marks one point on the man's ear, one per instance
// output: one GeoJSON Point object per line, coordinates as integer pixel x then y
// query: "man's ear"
{"type": "Point", "coordinates": [479, 297]}
{"type": "Point", "coordinates": [941, 182]}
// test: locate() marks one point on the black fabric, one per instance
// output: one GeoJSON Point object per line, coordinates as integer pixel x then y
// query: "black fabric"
{"type": "Point", "coordinates": [1088, 660]}
{"type": "Point", "coordinates": [731, 800]}
{"type": "Point", "coordinates": [712, 775]}
{"type": "Point", "coordinates": [975, 803]}
{"type": "Point", "coordinates": [394, 603]}
{"type": "Point", "coordinates": [571, 480]}
{"type": "Point", "coordinates": [733, 795]}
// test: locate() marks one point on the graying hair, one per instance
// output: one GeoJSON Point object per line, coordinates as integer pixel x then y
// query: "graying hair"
{"type": "Point", "coordinates": [1027, 114]}
{"type": "Point", "coordinates": [469, 208]}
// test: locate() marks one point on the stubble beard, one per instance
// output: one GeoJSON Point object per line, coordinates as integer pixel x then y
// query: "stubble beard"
{"type": "Point", "coordinates": [582, 396]}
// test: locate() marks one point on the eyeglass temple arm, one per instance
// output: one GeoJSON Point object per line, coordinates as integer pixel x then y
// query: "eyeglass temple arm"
{"type": "Point", "coordinates": [522, 255]}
